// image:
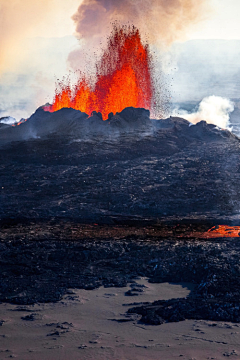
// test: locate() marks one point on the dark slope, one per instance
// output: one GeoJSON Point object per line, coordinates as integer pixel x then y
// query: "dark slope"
{"type": "Point", "coordinates": [64, 164]}
{"type": "Point", "coordinates": [131, 122]}
{"type": "Point", "coordinates": [62, 169]}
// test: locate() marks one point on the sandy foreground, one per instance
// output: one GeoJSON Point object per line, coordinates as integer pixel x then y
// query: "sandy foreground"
{"type": "Point", "coordinates": [94, 325]}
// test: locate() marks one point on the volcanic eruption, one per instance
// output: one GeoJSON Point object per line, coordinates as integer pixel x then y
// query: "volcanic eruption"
{"type": "Point", "coordinates": [88, 203]}
{"type": "Point", "coordinates": [123, 78]}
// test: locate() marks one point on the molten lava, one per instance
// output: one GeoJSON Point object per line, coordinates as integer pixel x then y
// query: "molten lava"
{"type": "Point", "coordinates": [19, 123]}
{"type": "Point", "coordinates": [123, 78]}
{"type": "Point", "coordinates": [223, 231]}
{"type": "Point", "coordinates": [218, 231]}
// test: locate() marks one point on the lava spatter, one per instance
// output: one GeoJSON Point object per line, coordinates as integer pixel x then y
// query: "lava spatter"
{"type": "Point", "coordinates": [123, 78]}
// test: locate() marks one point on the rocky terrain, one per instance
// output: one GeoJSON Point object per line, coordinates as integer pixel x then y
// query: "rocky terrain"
{"type": "Point", "coordinates": [38, 265]}
{"type": "Point", "coordinates": [86, 203]}
{"type": "Point", "coordinates": [71, 166]}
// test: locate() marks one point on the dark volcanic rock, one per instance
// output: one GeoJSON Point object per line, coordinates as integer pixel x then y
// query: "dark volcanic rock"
{"type": "Point", "coordinates": [42, 270]}
{"type": "Point", "coordinates": [127, 167]}
{"type": "Point", "coordinates": [70, 122]}
{"type": "Point", "coordinates": [181, 309]}
{"type": "Point", "coordinates": [127, 170]}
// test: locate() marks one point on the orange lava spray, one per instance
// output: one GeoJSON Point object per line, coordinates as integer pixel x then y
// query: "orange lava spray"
{"type": "Point", "coordinates": [123, 78]}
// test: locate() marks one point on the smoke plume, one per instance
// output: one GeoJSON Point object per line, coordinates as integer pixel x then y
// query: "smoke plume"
{"type": "Point", "coordinates": [159, 21]}
{"type": "Point", "coordinates": [213, 109]}
{"type": "Point", "coordinates": [165, 20]}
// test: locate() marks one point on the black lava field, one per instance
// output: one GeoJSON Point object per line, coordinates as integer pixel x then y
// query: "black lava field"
{"type": "Point", "coordinates": [86, 202]}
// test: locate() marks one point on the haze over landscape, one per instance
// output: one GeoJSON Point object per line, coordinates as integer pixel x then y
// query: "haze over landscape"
{"type": "Point", "coordinates": [196, 57]}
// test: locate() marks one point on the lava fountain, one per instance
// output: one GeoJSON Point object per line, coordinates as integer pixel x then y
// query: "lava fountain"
{"type": "Point", "coordinates": [123, 78]}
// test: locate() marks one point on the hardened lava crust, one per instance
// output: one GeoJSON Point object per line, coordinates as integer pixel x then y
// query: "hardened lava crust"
{"type": "Point", "coordinates": [68, 165]}
{"type": "Point", "coordinates": [39, 262]}
{"type": "Point", "coordinates": [88, 203]}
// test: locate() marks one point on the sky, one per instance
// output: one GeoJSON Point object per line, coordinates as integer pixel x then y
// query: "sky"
{"type": "Point", "coordinates": [37, 36]}
{"type": "Point", "coordinates": [222, 22]}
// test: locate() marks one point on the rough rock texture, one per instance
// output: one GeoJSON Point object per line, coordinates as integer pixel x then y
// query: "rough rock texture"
{"type": "Point", "coordinates": [37, 266]}
{"type": "Point", "coordinates": [128, 167]}
{"type": "Point", "coordinates": [126, 171]}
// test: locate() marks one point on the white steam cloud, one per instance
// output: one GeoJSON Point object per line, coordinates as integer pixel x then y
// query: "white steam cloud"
{"type": "Point", "coordinates": [9, 120]}
{"type": "Point", "coordinates": [213, 109]}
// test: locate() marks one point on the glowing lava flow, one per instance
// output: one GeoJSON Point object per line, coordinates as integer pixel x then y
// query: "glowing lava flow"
{"type": "Point", "coordinates": [218, 231]}
{"type": "Point", "coordinates": [123, 79]}
{"type": "Point", "coordinates": [223, 231]}
{"type": "Point", "coordinates": [19, 123]}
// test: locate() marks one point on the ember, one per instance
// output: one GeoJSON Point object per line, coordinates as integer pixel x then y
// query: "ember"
{"type": "Point", "coordinates": [123, 79]}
